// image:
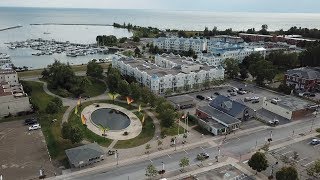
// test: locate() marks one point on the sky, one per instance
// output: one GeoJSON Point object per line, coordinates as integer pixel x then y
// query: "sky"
{"type": "Point", "coordinates": [293, 6]}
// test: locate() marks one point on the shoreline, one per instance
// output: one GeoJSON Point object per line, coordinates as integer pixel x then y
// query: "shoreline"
{"type": "Point", "coordinates": [8, 28]}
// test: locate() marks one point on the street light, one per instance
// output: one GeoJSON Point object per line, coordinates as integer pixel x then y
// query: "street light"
{"type": "Point", "coordinates": [117, 156]}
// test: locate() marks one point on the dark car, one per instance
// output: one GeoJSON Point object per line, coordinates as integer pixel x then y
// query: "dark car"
{"type": "Point", "coordinates": [202, 156]}
{"type": "Point", "coordinates": [30, 121]}
{"type": "Point", "coordinates": [216, 93]}
{"type": "Point", "coordinates": [312, 95]}
{"type": "Point", "coordinates": [233, 94]}
{"type": "Point", "coordinates": [255, 101]}
{"type": "Point", "coordinates": [200, 97]}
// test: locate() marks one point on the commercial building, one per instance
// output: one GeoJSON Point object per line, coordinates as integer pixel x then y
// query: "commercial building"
{"type": "Point", "coordinates": [182, 102]}
{"type": "Point", "coordinates": [305, 78]}
{"type": "Point", "coordinates": [85, 155]}
{"type": "Point", "coordinates": [223, 115]}
{"type": "Point", "coordinates": [290, 39]}
{"type": "Point", "coordinates": [12, 97]}
{"type": "Point", "coordinates": [289, 107]}
{"type": "Point", "coordinates": [169, 72]}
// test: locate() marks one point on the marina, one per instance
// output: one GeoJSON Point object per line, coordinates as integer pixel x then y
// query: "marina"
{"type": "Point", "coordinates": [50, 47]}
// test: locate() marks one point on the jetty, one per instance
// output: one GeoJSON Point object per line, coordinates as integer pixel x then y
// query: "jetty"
{"type": "Point", "coordinates": [69, 24]}
{"type": "Point", "coordinates": [8, 28]}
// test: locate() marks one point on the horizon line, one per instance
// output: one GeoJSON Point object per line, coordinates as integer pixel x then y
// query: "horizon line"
{"type": "Point", "coordinates": [173, 10]}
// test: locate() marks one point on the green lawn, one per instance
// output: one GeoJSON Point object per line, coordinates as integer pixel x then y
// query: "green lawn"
{"type": "Point", "coordinates": [75, 68]}
{"type": "Point", "coordinates": [172, 131]}
{"type": "Point", "coordinates": [279, 77]}
{"type": "Point", "coordinates": [90, 136]}
{"type": "Point", "coordinates": [38, 96]}
{"type": "Point", "coordinates": [51, 130]}
{"type": "Point", "coordinates": [96, 88]}
{"type": "Point", "coordinates": [145, 136]}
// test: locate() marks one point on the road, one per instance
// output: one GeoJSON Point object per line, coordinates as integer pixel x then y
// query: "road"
{"type": "Point", "coordinates": [234, 147]}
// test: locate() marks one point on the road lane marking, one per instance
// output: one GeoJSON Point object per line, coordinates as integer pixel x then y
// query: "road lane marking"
{"type": "Point", "coordinates": [150, 160]}
{"type": "Point", "coordinates": [302, 159]}
{"type": "Point", "coordinates": [185, 151]}
{"type": "Point", "coordinates": [308, 164]}
{"type": "Point", "coordinates": [286, 153]}
{"type": "Point", "coordinates": [279, 149]}
{"type": "Point", "coordinates": [168, 155]}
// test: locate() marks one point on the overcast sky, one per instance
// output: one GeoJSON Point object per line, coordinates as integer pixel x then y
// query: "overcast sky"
{"type": "Point", "coordinates": [207, 5]}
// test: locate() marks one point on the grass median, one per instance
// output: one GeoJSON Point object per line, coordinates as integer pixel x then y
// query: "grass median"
{"type": "Point", "coordinates": [145, 136]}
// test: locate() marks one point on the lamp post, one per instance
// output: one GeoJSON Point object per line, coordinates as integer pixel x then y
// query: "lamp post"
{"type": "Point", "coordinates": [117, 157]}
{"type": "Point", "coordinates": [175, 143]}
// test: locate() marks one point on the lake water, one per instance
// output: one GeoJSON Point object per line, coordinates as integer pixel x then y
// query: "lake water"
{"type": "Point", "coordinates": [187, 20]}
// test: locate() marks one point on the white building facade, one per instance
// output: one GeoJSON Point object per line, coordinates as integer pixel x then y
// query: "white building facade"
{"type": "Point", "coordinates": [180, 44]}
{"type": "Point", "coordinates": [169, 72]}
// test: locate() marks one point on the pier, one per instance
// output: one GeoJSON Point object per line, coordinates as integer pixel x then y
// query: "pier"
{"type": "Point", "coordinates": [8, 28]}
{"type": "Point", "coordinates": [69, 24]}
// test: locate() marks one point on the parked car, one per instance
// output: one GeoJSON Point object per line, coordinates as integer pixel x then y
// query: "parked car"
{"type": "Point", "coordinates": [255, 98]}
{"type": "Point", "coordinates": [233, 94]}
{"type": "Point", "coordinates": [315, 141]}
{"type": "Point", "coordinates": [216, 93]}
{"type": "Point", "coordinates": [274, 122]}
{"type": "Point", "coordinates": [255, 101]}
{"type": "Point", "coordinates": [30, 121]}
{"type": "Point", "coordinates": [312, 95]}
{"type": "Point", "coordinates": [241, 92]}
{"type": "Point", "coordinates": [34, 127]}
{"type": "Point", "coordinates": [200, 97]}
{"type": "Point", "coordinates": [208, 98]}
{"type": "Point", "coordinates": [230, 90]}
{"type": "Point", "coordinates": [202, 156]}
{"type": "Point", "coordinates": [246, 99]}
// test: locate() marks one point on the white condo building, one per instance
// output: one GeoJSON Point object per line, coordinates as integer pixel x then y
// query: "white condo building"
{"type": "Point", "coordinates": [218, 48]}
{"type": "Point", "coordinates": [169, 72]}
{"type": "Point", "coordinates": [180, 44]}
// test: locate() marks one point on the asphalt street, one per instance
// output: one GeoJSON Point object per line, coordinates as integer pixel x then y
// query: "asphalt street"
{"type": "Point", "coordinates": [234, 147]}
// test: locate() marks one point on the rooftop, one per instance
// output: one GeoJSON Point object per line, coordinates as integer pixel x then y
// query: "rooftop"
{"type": "Point", "coordinates": [221, 116]}
{"type": "Point", "coordinates": [84, 153]}
{"type": "Point", "coordinates": [225, 104]}
{"type": "Point", "coordinates": [305, 72]}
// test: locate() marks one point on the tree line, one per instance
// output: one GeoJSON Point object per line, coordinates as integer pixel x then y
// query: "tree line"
{"type": "Point", "coordinates": [139, 31]}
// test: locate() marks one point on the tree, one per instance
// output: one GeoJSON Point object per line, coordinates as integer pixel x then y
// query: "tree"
{"type": "Point", "coordinates": [65, 130]}
{"type": "Point", "coordinates": [113, 79]}
{"type": "Point", "coordinates": [58, 102]}
{"type": "Point", "coordinates": [167, 117]}
{"type": "Point", "coordinates": [182, 34]}
{"type": "Point", "coordinates": [243, 73]}
{"type": "Point", "coordinates": [135, 91]}
{"type": "Point", "coordinates": [287, 173]}
{"type": "Point", "coordinates": [52, 108]}
{"type": "Point", "coordinates": [258, 162]}
{"type": "Point", "coordinates": [123, 88]}
{"type": "Point", "coordinates": [262, 70]}
{"type": "Point", "coordinates": [94, 69]}
{"type": "Point", "coordinates": [184, 162]}
{"type": "Point", "coordinates": [84, 82]}
{"type": "Point", "coordinates": [76, 135]}
{"type": "Point", "coordinates": [136, 39]}
{"type": "Point", "coordinates": [252, 58]}
{"type": "Point", "coordinates": [284, 88]}
{"type": "Point", "coordinates": [137, 52]}
{"type": "Point", "coordinates": [106, 40]}
{"type": "Point", "coordinates": [151, 171]}
{"type": "Point", "coordinates": [264, 29]}
{"type": "Point", "coordinates": [148, 146]}
{"type": "Point", "coordinates": [314, 169]}
{"type": "Point", "coordinates": [159, 144]}
{"type": "Point", "coordinates": [232, 68]}
{"type": "Point", "coordinates": [123, 39]}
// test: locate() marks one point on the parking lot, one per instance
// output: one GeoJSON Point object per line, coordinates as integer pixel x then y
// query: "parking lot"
{"type": "Point", "coordinates": [301, 154]}
{"type": "Point", "coordinates": [22, 153]}
{"type": "Point", "coordinates": [252, 91]}
{"type": "Point", "coordinates": [227, 172]}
